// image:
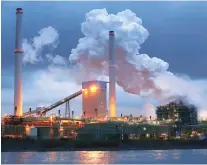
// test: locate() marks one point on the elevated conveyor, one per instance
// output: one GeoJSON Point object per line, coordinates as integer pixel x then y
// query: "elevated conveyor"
{"type": "Point", "coordinates": [43, 111]}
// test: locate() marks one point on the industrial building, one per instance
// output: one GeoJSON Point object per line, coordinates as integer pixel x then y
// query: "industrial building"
{"type": "Point", "coordinates": [178, 112]}
{"type": "Point", "coordinates": [94, 103]}
{"type": "Point", "coordinates": [94, 124]}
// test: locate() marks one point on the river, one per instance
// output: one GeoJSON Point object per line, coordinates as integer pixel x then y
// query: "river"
{"type": "Point", "coordinates": [198, 156]}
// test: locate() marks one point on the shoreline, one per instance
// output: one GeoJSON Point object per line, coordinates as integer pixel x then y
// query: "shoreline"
{"type": "Point", "coordinates": [14, 145]}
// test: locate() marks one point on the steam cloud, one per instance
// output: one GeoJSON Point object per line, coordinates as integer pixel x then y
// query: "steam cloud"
{"type": "Point", "coordinates": [136, 73]}
{"type": "Point", "coordinates": [56, 60]}
{"type": "Point", "coordinates": [32, 49]}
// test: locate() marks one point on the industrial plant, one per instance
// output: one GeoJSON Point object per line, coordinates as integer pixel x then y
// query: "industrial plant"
{"type": "Point", "coordinates": [97, 121]}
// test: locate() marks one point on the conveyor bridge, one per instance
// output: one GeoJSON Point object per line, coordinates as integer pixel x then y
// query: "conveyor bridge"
{"type": "Point", "coordinates": [43, 111]}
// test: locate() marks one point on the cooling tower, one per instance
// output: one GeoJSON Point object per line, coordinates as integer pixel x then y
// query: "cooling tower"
{"type": "Point", "coordinates": [112, 87]}
{"type": "Point", "coordinates": [18, 65]}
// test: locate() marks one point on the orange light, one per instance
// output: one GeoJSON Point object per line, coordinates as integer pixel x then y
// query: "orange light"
{"type": "Point", "coordinates": [93, 88]}
{"type": "Point", "coordinates": [86, 92]}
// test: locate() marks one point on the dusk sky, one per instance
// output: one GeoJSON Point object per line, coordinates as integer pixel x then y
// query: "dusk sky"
{"type": "Point", "coordinates": [177, 35]}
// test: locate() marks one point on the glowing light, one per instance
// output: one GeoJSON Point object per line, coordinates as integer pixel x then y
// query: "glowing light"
{"type": "Point", "coordinates": [85, 92]}
{"type": "Point", "coordinates": [93, 157]}
{"type": "Point", "coordinates": [27, 129]}
{"type": "Point", "coordinates": [93, 88]}
{"type": "Point", "coordinates": [51, 118]}
{"type": "Point", "coordinates": [112, 109]}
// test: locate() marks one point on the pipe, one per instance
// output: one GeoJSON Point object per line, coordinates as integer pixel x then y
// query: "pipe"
{"type": "Point", "coordinates": [18, 64]}
{"type": "Point", "coordinates": [112, 73]}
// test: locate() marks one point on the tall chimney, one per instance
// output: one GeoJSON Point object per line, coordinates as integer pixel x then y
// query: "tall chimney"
{"type": "Point", "coordinates": [18, 64]}
{"type": "Point", "coordinates": [112, 87]}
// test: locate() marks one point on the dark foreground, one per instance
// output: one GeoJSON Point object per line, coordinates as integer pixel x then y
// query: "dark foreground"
{"type": "Point", "coordinates": [14, 145]}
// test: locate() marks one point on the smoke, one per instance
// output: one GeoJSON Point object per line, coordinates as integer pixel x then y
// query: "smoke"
{"type": "Point", "coordinates": [136, 73]}
{"type": "Point", "coordinates": [32, 48]}
{"type": "Point", "coordinates": [148, 110]}
{"type": "Point", "coordinates": [56, 59]}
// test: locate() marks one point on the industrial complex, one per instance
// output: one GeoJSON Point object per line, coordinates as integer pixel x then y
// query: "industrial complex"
{"type": "Point", "coordinates": [175, 120]}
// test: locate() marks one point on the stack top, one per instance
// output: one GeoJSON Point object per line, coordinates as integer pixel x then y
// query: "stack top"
{"type": "Point", "coordinates": [111, 33]}
{"type": "Point", "coordinates": [19, 10]}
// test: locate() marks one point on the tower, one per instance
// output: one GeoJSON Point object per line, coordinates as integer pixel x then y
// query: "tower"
{"type": "Point", "coordinates": [112, 74]}
{"type": "Point", "coordinates": [67, 109]}
{"type": "Point", "coordinates": [18, 65]}
{"type": "Point", "coordinates": [94, 99]}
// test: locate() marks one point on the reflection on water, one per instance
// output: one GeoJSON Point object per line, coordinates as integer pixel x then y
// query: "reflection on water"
{"type": "Point", "coordinates": [107, 157]}
{"type": "Point", "coordinates": [160, 155]}
{"type": "Point", "coordinates": [52, 157]}
{"type": "Point", "coordinates": [176, 154]}
{"type": "Point", "coordinates": [93, 157]}
{"type": "Point", "coordinates": [18, 158]}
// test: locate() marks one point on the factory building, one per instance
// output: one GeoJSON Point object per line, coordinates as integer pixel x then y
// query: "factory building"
{"type": "Point", "coordinates": [178, 112]}
{"type": "Point", "coordinates": [94, 99]}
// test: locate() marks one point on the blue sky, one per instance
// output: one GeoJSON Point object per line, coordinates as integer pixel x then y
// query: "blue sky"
{"type": "Point", "coordinates": [177, 35]}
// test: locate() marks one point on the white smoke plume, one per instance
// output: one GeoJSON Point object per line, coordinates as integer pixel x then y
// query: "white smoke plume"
{"type": "Point", "coordinates": [136, 73]}
{"type": "Point", "coordinates": [32, 48]}
{"type": "Point", "coordinates": [148, 110]}
{"type": "Point", "coordinates": [56, 59]}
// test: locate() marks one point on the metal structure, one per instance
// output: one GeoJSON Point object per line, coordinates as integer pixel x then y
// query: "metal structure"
{"type": "Point", "coordinates": [112, 74]}
{"type": "Point", "coordinates": [45, 110]}
{"type": "Point", "coordinates": [67, 109]}
{"type": "Point", "coordinates": [94, 102]}
{"type": "Point", "coordinates": [18, 65]}
{"type": "Point", "coordinates": [178, 112]}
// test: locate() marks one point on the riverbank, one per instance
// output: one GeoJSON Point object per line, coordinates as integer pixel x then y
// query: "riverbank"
{"type": "Point", "coordinates": [17, 145]}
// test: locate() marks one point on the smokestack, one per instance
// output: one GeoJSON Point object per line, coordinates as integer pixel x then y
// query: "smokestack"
{"type": "Point", "coordinates": [59, 112]}
{"type": "Point", "coordinates": [18, 64]}
{"type": "Point", "coordinates": [112, 87]}
{"type": "Point", "coordinates": [72, 114]}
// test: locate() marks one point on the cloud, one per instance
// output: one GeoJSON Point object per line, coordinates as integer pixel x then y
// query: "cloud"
{"type": "Point", "coordinates": [56, 60]}
{"type": "Point", "coordinates": [148, 110]}
{"type": "Point", "coordinates": [195, 91]}
{"type": "Point", "coordinates": [91, 53]}
{"type": "Point", "coordinates": [136, 73]}
{"type": "Point", "coordinates": [45, 87]}
{"type": "Point", "coordinates": [32, 48]}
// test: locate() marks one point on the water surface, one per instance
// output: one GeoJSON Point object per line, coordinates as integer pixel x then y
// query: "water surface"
{"type": "Point", "coordinates": [107, 157]}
